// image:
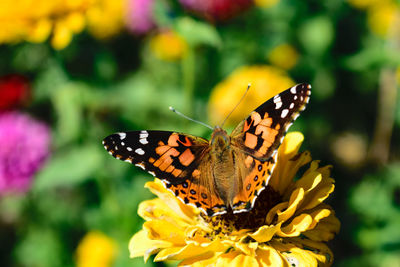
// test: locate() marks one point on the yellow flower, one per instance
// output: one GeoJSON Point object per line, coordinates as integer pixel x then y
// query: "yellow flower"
{"type": "Point", "coordinates": [96, 250]}
{"type": "Point", "coordinates": [265, 3]}
{"type": "Point", "coordinates": [384, 19]}
{"type": "Point", "coordinates": [364, 4]}
{"type": "Point", "coordinates": [36, 20]}
{"type": "Point", "coordinates": [266, 82]}
{"type": "Point", "coordinates": [106, 18]}
{"type": "Point", "coordinates": [168, 46]}
{"type": "Point", "coordinates": [287, 226]}
{"type": "Point", "coordinates": [284, 56]}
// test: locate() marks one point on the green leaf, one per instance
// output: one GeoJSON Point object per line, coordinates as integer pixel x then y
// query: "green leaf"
{"type": "Point", "coordinates": [69, 168]}
{"type": "Point", "coordinates": [316, 35]}
{"type": "Point", "coordinates": [198, 33]}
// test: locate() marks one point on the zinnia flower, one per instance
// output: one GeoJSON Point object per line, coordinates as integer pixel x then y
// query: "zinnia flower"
{"type": "Point", "coordinates": [284, 56]}
{"type": "Point", "coordinates": [96, 250]}
{"type": "Point", "coordinates": [266, 82]}
{"type": "Point", "coordinates": [36, 21]}
{"type": "Point", "coordinates": [287, 226]}
{"type": "Point", "coordinates": [217, 10]}
{"type": "Point", "coordinates": [14, 90]}
{"type": "Point", "coordinates": [24, 145]}
{"type": "Point", "coordinates": [168, 46]}
{"type": "Point", "coordinates": [140, 16]}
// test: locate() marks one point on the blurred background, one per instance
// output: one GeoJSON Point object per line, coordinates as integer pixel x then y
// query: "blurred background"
{"type": "Point", "coordinates": [75, 71]}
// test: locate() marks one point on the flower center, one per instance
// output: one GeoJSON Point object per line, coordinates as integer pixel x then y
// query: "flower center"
{"type": "Point", "coordinates": [253, 219]}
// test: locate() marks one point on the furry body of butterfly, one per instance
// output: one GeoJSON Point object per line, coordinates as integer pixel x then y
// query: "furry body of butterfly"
{"type": "Point", "coordinates": [226, 177]}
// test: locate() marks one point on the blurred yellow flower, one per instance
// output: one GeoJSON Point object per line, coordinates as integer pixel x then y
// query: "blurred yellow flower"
{"type": "Point", "coordinates": [287, 226]}
{"type": "Point", "coordinates": [106, 18]}
{"type": "Point", "coordinates": [284, 56]}
{"type": "Point", "coordinates": [265, 3]}
{"type": "Point", "coordinates": [96, 250]}
{"type": "Point", "coordinates": [363, 4]}
{"type": "Point", "coordinates": [266, 82]}
{"type": "Point", "coordinates": [384, 18]}
{"type": "Point", "coordinates": [168, 46]}
{"type": "Point", "coordinates": [35, 21]}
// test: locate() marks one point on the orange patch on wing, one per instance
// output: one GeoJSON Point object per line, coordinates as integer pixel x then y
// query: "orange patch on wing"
{"type": "Point", "coordinates": [170, 168]}
{"type": "Point", "coordinates": [265, 146]}
{"type": "Point", "coordinates": [248, 161]}
{"type": "Point", "coordinates": [266, 122]}
{"type": "Point", "coordinates": [173, 140]}
{"type": "Point", "coordinates": [162, 149]}
{"type": "Point", "coordinates": [250, 140]}
{"type": "Point", "coordinates": [196, 174]}
{"type": "Point", "coordinates": [186, 157]}
{"type": "Point", "coordinates": [256, 117]}
{"type": "Point", "coordinates": [176, 172]}
{"type": "Point", "coordinates": [166, 157]}
{"type": "Point", "coordinates": [151, 160]}
{"type": "Point", "coordinates": [268, 133]}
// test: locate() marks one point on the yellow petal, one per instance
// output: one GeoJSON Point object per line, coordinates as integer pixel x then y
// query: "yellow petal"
{"type": "Point", "coordinates": [265, 233]}
{"type": "Point", "coordinates": [319, 194]}
{"type": "Point", "coordinates": [298, 225]}
{"type": "Point", "coordinates": [295, 200]}
{"type": "Point", "coordinates": [206, 259]}
{"type": "Point", "coordinates": [318, 250]}
{"type": "Point", "coordinates": [236, 259]}
{"type": "Point", "coordinates": [166, 231]}
{"type": "Point", "coordinates": [184, 211]}
{"type": "Point", "coordinates": [269, 257]}
{"type": "Point", "coordinates": [141, 245]}
{"type": "Point", "coordinates": [304, 222]}
{"type": "Point", "coordinates": [325, 229]}
{"type": "Point", "coordinates": [288, 163]}
{"type": "Point", "coordinates": [273, 212]}
{"type": "Point", "coordinates": [180, 253]}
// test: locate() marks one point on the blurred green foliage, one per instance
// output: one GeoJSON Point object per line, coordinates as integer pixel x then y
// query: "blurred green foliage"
{"type": "Point", "coordinates": [94, 88]}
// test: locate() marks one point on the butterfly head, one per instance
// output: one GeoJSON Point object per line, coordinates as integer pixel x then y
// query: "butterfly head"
{"type": "Point", "coordinates": [219, 139]}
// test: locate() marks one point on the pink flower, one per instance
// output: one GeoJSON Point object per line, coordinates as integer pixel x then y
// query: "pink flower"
{"type": "Point", "coordinates": [217, 10]}
{"type": "Point", "coordinates": [140, 16]}
{"type": "Point", "coordinates": [24, 145]}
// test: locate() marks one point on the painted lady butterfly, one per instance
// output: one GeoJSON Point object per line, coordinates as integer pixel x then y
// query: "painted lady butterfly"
{"type": "Point", "coordinates": [224, 174]}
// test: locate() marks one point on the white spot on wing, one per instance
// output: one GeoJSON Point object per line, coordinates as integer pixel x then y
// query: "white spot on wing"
{"type": "Point", "coordinates": [140, 165]}
{"type": "Point", "coordinates": [122, 135]}
{"type": "Point", "coordinates": [291, 105]}
{"type": "Point", "coordinates": [129, 148]}
{"type": "Point", "coordinates": [143, 137]}
{"type": "Point", "coordinates": [139, 151]}
{"type": "Point", "coordinates": [278, 105]}
{"type": "Point", "coordinates": [293, 90]}
{"type": "Point", "coordinates": [284, 113]}
{"type": "Point", "coordinates": [143, 141]}
{"type": "Point", "coordinates": [122, 143]}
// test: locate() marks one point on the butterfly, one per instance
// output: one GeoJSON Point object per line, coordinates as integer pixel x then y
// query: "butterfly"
{"type": "Point", "coordinates": [224, 174]}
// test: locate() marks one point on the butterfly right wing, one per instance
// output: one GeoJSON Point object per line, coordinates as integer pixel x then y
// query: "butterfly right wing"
{"type": "Point", "coordinates": [180, 161]}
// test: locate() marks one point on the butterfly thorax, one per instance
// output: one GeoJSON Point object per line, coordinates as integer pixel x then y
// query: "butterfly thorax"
{"type": "Point", "coordinates": [223, 165]}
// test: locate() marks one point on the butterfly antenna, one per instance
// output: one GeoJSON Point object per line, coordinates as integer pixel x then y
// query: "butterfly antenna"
{"type": "Point", "coordinates": [240, 101]}
{"type": "Point", "coordinates": [186, 117]}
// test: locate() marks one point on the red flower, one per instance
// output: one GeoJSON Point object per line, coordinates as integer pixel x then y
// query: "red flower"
{"type": "Point", "coordinates": [14, 91]}
{"type": "Point", "coordinates": [217, 10]}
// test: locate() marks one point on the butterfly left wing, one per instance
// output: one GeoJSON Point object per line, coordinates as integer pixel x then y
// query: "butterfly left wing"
{"type": "Point", "coordinates": [257, 139]}
{"type": "Point", "coordinates": [169, 156]}
{"type": "Point", "coordinates": [175, 158]}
